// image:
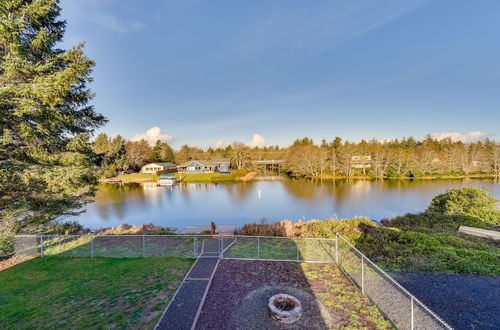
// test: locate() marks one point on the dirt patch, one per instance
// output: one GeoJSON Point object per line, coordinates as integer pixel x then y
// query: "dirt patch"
{"type": "Point", "coordinates": [4, 264]}
{"type": "Point", "coordinates": [237, 298]}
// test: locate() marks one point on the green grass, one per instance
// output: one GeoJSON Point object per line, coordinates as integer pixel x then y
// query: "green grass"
{"type": "Point", "coordinates": [187, 177]}
{"type": "Point", "coordinates": [120, 246]}
{"type": "Point", "coordinates": [136, 176]}
{"type": "Point", "coordinates": [282, 249]}
{"type": "Point", "coordinates": [210, 177]}
{"type": "Point", "coordinates": [79, 293]}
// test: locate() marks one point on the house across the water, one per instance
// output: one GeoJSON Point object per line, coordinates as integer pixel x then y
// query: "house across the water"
{"type": "Point", "coordinates": [205, 166]}
{"type": "Point", "coordinates": [152, 168]}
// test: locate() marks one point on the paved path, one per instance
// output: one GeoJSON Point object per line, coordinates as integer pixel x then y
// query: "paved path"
{"type": "Point", "coordinates": [182, 311]}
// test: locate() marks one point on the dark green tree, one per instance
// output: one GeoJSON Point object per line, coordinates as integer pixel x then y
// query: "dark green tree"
{"type": "Point", "coordinates": [156, 151]}
{"type": "Point", "coordinates": [46, 160]}
{"type": "Point", "coordinates": [101, 144]}
{"type": "Point", "coordinates": [167, 153]}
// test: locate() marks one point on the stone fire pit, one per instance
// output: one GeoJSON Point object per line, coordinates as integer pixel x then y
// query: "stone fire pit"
{"type": "Point", "coordinates": [285, 308]}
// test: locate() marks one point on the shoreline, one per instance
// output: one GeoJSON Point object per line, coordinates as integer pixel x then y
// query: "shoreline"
{"type": "Point", "coordinates": [253, 177]}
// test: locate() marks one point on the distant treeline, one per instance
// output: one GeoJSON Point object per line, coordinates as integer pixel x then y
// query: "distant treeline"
{"type": "Point", "coordinates": [407, 157]}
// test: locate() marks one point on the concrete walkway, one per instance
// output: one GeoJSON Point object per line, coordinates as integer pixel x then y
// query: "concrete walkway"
{"type": "Point", "coordinates": [182, 311]}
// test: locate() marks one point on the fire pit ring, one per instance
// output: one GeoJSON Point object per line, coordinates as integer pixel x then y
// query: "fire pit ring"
{"type": "Point", "coordinates": [285, 308]}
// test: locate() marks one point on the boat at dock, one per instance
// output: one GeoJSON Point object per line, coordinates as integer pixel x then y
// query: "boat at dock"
{"type": "Point", "coordinates": [167, 180]}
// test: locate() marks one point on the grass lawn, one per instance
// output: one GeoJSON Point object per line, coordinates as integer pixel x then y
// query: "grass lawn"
{"type": "Point", "coordinates": [186, 177]}
{"type": "Point", "coordinates": [281, 249]}
{"type": "Point", "coordinates": [54, 292]}
{"type": "Point", "coordinates": [137, 176]}
{"type": "Point", "coordinates": [208, 177]}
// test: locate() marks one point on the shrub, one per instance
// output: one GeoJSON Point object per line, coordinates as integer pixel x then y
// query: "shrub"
{"type": "Point", "coordinates": [467, 201]}
{"type": "Point", "coordinates": [6, 245]}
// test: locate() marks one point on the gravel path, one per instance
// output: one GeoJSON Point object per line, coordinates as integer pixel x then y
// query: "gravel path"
{"type": "Point", "coordinates": [464, 301]}
{"type": "Point", "coordinates": [181, 313]}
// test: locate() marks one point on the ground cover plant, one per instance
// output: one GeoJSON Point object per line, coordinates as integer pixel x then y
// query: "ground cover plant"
{"type": "Point", "coordinates": [427, 241]}
{"type": "Point", "coordinates": [84, 293]}
{"type": "Point", "coordinates": [238, 297]}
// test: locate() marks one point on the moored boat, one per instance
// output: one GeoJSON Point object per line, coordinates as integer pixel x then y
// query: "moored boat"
{"type": "Point", "coordinates": [167, 180]}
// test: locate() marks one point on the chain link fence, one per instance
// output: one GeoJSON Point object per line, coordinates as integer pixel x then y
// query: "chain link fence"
{"type": "Point", "coordinates": [403, 309]}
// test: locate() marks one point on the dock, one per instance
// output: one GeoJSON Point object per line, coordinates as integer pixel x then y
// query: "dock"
{"type": "Point", "coordinates": [226, 230]}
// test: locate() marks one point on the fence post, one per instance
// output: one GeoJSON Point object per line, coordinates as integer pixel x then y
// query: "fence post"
{"type": "Point", "coordinates": [258, 247]}
{"type": "Point", "coordinates": [337, 248]}
{"type": "Point", "coordinates": [92, 246]}
{"type": "Point", "coordinates": [362, 274]}
{"type": "Point", "coordinates": [41, 246]}
{"type": "Point", "coordinates": [143, 246]}
{"type": "Point", "coordinates": [297, 248]}
{"type": "Point", "coordinates": [194, 246]}
{"type": "Point", "coordinates": [222, 247]}
{"type": "Point", "coordinates": [412, 313]}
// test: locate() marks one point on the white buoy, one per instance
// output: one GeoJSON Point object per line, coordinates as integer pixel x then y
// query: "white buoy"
{"type": "Point", "coordinates": [259, 193]}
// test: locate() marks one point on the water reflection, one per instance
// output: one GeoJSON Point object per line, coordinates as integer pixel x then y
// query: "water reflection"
{"type": "Point", "coordinates": [198, 203]}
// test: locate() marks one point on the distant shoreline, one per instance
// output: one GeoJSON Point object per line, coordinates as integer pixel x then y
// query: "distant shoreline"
{"type": "Point", "coordinates": [232, 178]}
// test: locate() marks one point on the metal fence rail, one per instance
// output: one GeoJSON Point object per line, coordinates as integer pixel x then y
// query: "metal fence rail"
{"type": "Point", "coordinates": [403, 309]}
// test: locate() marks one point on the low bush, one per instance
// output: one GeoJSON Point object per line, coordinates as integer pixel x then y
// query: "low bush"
{"type": "Point", "coordinates": [473, 202]}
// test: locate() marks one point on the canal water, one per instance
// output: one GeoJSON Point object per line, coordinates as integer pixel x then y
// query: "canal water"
{"type": "Point", "coordinates": [240, 203]}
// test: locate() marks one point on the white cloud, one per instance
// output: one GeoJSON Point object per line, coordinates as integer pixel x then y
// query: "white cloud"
{"type": "Point", "coordinates": [221, 144]}
{"type": "Point", "coordinates": [385, 140]}
{"type": "Point", "coordinates": [257, 141]}
{"type": "Point", "coordinates": [152, 135]}
{"type": "Point", "coordinates": [464, 137]}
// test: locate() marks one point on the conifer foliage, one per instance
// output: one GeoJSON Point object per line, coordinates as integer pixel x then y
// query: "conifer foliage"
{"type": "Point", "coordinates": [46, 121]}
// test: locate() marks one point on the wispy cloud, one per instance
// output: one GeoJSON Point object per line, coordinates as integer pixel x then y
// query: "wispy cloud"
{"type": "Point", "coordinates": [464, 137]}
{"type": "Point", "coordinates": [95, 12]}
{"type": "Point", "coordinates": [115, 24]}
{"type": "Point", "coordinates": [152, 135]}
{"type": "Point", "coordinates": [338, 22]}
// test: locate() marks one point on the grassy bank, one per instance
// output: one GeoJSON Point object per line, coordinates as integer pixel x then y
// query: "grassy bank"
{"type": "Point", "coordinates": [428, 241]}
{"type": "Point", "coordinates": [234, 176]}
{"type": "Point", "coordinates": [414, 242]}
{"type": "Point", "coordinates": [81, 293]}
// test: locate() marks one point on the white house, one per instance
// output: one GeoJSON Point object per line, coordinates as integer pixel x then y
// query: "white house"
{"type": "Point", "coordinates": [152, 168]}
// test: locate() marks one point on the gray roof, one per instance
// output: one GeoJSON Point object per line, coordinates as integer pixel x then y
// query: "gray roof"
{"type": "Point", "coordinates": [205, 163]}
{"type": "Point", "coordinates": [163, 164]}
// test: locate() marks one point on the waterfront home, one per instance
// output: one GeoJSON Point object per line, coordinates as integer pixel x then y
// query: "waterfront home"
{"type": "Point", "coordinates": [361, 162]}
{"type": "Point", "coordinates": [152, 168]}
{"type": "Point", "coordinates": [204, 166]}
{"type": "Point", "coordinates": [222, 164]}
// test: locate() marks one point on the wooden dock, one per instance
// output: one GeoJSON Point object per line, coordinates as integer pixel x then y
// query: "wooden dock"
{"type": "Point", "coordinates": [226, 230]}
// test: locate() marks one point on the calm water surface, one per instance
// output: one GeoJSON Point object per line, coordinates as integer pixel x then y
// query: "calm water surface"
{"type": "Point", "coordinates": [190, 204]}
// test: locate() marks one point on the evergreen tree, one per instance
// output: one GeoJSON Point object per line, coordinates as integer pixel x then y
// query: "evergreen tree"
{"type": "Point", "coordinates": [46, 160]}
{"type": "Point", "coordinates": [101, 144]}
{"type": "Point", "coordinates": [156, 151]}
{"type": "Point", "coordinates": [167, 153]}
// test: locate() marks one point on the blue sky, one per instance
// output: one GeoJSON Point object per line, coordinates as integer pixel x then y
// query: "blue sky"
{"type": "Point", "coordinates": [266, 72]}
